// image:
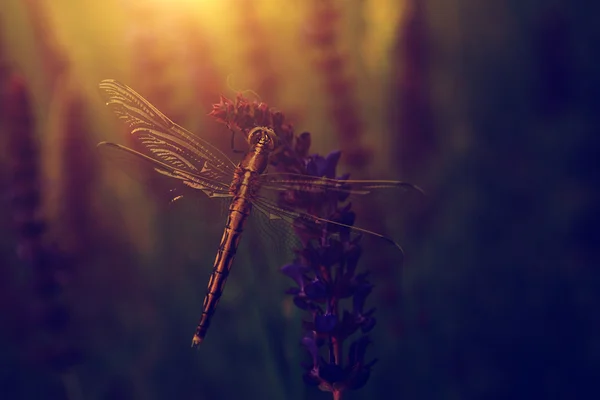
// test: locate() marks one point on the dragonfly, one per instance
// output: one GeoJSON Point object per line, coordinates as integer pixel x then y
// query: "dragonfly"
{"type": "Point", "coordinates": [194, 162]}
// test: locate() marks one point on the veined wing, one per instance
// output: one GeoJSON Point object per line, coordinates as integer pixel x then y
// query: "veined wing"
{"type": "Point", "coordinates": [273, 211]}
{"type": "Point", "coordinates": [281, 182]}
{"type": "Point", "coordinates": [211, 187]}
{"type": "Point", "coordinates": [166, 142]}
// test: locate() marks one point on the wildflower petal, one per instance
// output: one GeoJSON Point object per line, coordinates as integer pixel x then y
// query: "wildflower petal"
{"type": "Point", "coordinates": [311, 379]}
{"type": "Point", "coordinates": [360, 297]}
{"type": "Point", "coordinates": [352, 256]}
{"type": "Point", "coordinates": [308, 342]}
{"type": "Point", "coordinates": [358, 349]}
{"type": "Point", "coordinates": [314, 165]}
{"type": "Point", "coordinates": [325, 323]}
{"type": "Point", "coordinates": [301, 303]}
{"type": "Point", "coordinates": [325, 387]}
{"type": "Point", "coordinates": [292, 290]}
{"type": "Point", "coordinates": [316, 290]}
{"type": "Point", "coordinates": [296, 272]}
{"type": "Point", "coordinates": [331, 164]}
{"type": "Point", "coordinates": [348, 325]}
{"type": "Point", "coordinates": [368, 324]}
{"type": "Point", "coordinates": [303, 144]}
{"type": "Point", "coordinates": [332, 253]}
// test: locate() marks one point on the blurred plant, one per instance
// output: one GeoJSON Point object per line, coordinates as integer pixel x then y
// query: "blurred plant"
{"type": "Point", "coordinates": [75, 168]}
{"type": "Point", "coordinates": [410, 108]}
{"type": "Point", "coordinates": [50, 335]}
{"type": "Point", "coordinates": [258, 56]}
{"type": "Point", "coordinates": [151, 54]}
{"type": "Point", "coordinates": [199, 66]}
{"type": "Point", "coordinates": [325, 266]}
{"type": "Point", "coordinates": [53, 57]}
{"type": "Point", "coordinates": [322, 34]}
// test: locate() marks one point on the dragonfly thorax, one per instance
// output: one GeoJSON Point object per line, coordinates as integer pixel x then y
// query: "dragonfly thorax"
{"type": "Point", "coordinates": [262, 142]}
{"type": "Point", "coordinates": [245, 183]}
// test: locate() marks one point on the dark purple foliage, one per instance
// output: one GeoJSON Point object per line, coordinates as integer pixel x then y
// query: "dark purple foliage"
{"type": "Point", "coordinates": [325, 274]}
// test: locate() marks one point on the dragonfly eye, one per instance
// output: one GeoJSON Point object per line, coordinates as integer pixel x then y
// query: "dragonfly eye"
{"type": "Point", "coordinates": [263, 135]}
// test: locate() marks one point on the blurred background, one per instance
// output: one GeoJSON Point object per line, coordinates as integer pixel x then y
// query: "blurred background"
{"type": "Point", "coordinates": [491, 107]}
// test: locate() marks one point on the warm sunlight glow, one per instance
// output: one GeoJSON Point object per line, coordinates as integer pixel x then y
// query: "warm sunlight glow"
{"type": "Point", "coordinates": [209, 14]}
{"type": "Point", "coordinates": [190, 4]}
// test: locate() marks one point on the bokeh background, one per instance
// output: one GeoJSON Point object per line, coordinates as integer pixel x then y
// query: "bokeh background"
{"type": "Point", "coordinates": [491, 107]}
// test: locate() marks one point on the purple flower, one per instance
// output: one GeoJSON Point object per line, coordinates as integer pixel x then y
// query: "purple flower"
{"type": "Point", "coordinates": [317, 165]}
{"type": "Point", "coordinates": [325, 277]}
{"type": "Point", "coordinates": [325, 323]}
{"type": "Point", "coordinates": [357, 370]}
{"type": "Point", "coordinates": [296, 272]}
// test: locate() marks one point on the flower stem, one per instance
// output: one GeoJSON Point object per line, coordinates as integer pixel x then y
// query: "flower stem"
{"type": "Point", "coordinates": [336, 344]}
{"type": "Point", "coordinates": [337, 350]}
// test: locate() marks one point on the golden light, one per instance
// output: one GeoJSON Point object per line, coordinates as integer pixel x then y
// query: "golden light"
{"type": "Point", "coordinates": [182, 6]}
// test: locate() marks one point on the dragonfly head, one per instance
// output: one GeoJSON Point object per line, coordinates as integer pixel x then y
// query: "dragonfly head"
{"type": "Point", "coordinates": [262, 137]}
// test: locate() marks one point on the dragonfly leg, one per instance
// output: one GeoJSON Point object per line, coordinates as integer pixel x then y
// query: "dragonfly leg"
{"type": "Point", "coordinates": [237, 151]}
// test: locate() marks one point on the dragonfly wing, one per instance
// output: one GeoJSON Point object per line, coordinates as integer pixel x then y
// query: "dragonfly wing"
{"type": "Point", "coordinates": [164, 140]}
{"type": "Point", "coordinates": [281, 182]}
{"type": "Point", "coordinates": [201, 181]}
{"type": "Point", "coordinates": [277, 233]}
{"type": "Point", "coordinates": [292, 217]}
{"type": "Point", "coordinates": [299, 188]}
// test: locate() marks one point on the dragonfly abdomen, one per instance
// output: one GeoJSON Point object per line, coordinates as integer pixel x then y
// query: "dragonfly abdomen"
{"type": "Point", "coordinates": [238, 214]}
